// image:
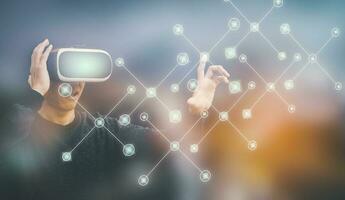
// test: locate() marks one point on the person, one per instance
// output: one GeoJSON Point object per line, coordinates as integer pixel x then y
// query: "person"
{"type": "Point", "coordinates": [32, 167]}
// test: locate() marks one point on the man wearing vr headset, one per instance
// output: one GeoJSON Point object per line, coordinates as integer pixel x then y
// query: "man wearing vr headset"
{"type": "Point", "coordinates": [99, 170]}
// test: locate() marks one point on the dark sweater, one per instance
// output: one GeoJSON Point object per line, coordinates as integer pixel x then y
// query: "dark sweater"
{"type": "Point", "coordinates": [32, 165]}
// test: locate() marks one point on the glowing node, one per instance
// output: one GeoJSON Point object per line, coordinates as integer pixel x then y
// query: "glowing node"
{"type": "Point", "coordinates": [128, 150]}
{"type": "Point", "coordinates": [194, 148]}
{"type": "Point", "coordinates": [270, 87]}
{"type": "Point", "coordinates": [65, 89]}
{"type": "Point", "coordinates": [254, 27]}
{"type": "Point", "coordinates": [235, 87]}
{"type": "Point", "coordinates": [292, 108]}
{"type": "Point", "coordinates": [119, 62]}
{"type": "Point", "coordinates": [144, 116]}
{"type": "Point", "coordinates": [174, 146]}
{"type": "Point", "coordinates": [151, 92]}
{"type": "Point", "coordinates": [230, 53]}
{"type": "Point", "coordinates": [174, 88]}
{"type": "Point", "coordinates": [243, 58]}
{"type": "Point", "coordinates": [278, 3]}
{"type": "Point", "coordinates": [252, 145]}
{"type": "Point", "coordinates": [289, 84]}
{"type": "Point", "coordinates": [297, 57]}
{"type": "Point", "coordinates": [175, 116]}
{"type": "Point", "coordinates": [66, 156]}
{"type": "Point", "coordinates": [282, 56]}
{"type": "Point", "coordinates": [338, 86]}
{"type": "Point", "coordinates": [182, 58]}
{"type": "Point", "coordinates": [223, 116]}
{"type": "Point", "coordinates": [312, 58]}
{"type": "Point", "coordinates": [204, 114]}
{"type": "Point", "coordinates": [178, 29]}
{"type": "Point", "coordinates": [192, 84]}
{"type": "Point", "coordinates": [99, 122]}
{"type": "Point", "coordinates": [335, 32]}
{"type": "Point", "coordinates": [247, 113]}
{"type": "Point", "coordinates": [234, 24]}
{"type": "Point", "coordinates": [143, 180]}
{"type": "Point", "coordinates": [205, 176]}
{"type": "Point", "coordinates": [205, 56]}
{"type": "Point", "coordinates": [131, 89]}
{"type": "Point", "coordinates": [251, 85]}
{"type": "Point", "coordinates": [285, 29]}
{"type": "Point", "coordinates": [124, 120]}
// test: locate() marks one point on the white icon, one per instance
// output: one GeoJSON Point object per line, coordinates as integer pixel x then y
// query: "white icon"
{"type": "Point", "coordinates": [282, 56]}
{"type": "Point", "coordinates": [254, 27]}
{"type": "Point", "coordinates": [230, 53]}
{"type": "Point", "coordinates": [99, 122]}
{"type": "Point", "coordinates": [204, 114]}
{"type": "Point", "coordinates": [151, 92]}
{"type": "Point", "coordinates": [192, 84]}
{"type": "Point", "coordinates": [124, 120]}
{"type": "Point", "coordinates": [119, 62]}
{"type": "Point", "coordinates": [312, 58]}
{"type": "Point", "coordinates": [338, 86]}
{"type": "Point", "coordinates": [144, 116]}
{"type": "Point", "coordinates": [292, 108]}
{"type": "Point", "coordinates": [285, 29]}
{"type": "Point", "coordinates": [205, 176]}
{"type": "Point", "coordinates": [174, 88]}
{"type": "Point", "coordinates": [66, 156]}
{"type": "Point", "coordinates": [65, 89]}
{"type": "Point", "coordinates": [289, 84]}
{"type": "Point", "coordinates": [131, 89]}
{"type": "Point", "coordinates": [270, 87]}
{"type": "Point", "coordinates": [143, 180]}
{"type": "Point", "coordinates": [297, 57]}
{"type": "Point", "coordinates": [234, 24]}
{"type": "Point", "coordinates": [178, 29]}
{"type": "Point", "coordinates": [128, 150]}
{"type": "Point", "coordinates": [243, 58]}
{"type": "Point", "coordinates": [247, 114]}
{"type": "Point", "coordinates": [174, 146]}
{"type": "Point", "coordinates": [205, 56]}
{"type": "Point", "coordinates": [182, 58]}
{"type": "Point", "coordinates": [251, 85]}
{"type": "Point", "coordinates": [175, 116]}
{"type": "Point", "coordinates": [223, 116]}
{"type": "Point", "coordinates": [336, 32]}
{"type": "Point", "coordinates": [194, 148]}
{"type": "Point", "coordinates": [235, 87]}
{"type": "Point", "coordinates": [252, 145]}
{"type": "Point", "coordinates": [278, 3]}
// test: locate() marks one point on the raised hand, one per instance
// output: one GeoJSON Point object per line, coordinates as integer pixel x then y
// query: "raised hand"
{"type": "Point", "coordinates": [207, 83]}
{"type": "Point", "coordinates": [39, 78]}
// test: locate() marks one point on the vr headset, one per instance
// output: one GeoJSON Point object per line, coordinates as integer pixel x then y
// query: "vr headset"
{"type": "Point", "coordinates": [75, 64]}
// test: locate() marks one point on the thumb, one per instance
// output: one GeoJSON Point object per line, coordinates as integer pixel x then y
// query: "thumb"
{"type": "Point", "coordinates": [201, 68]}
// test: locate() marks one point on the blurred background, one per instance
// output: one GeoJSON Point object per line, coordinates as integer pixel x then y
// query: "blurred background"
{"type": "Point", "coordinates": [299, 156]}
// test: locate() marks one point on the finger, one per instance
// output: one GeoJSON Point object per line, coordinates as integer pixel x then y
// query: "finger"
{"type": "Point", "coordinates": [201, 68]}
{"type": "Point", "coordinates": [29, 80]}
{"type": "Point", "coordinates": [219, 79]}
{"type": "Point", "coordinates": [37, 54]}
{"type": "Point", "coordinates": [226, 73]}
{"type": "Point", "coordinates": [218, 69]}
{"type": "Point", "coordinates": [46, 54]}
{"type": "Point", "coordinates": [210, 70]}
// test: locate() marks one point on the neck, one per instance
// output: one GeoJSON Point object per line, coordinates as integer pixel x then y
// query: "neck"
{"type": "Point", "coordinates": [56, 116]}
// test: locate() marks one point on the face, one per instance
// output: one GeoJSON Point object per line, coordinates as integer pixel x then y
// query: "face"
{"type": "Point", "coordinates": [54, 99]}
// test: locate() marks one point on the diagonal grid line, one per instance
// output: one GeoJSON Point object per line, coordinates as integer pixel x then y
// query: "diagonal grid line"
{"type": "Point", "coordinates": [112, 134]}
{"type": "Point", "coordinates": [82, 139]}
{"type": "Point", "coordinates": [156, 165]}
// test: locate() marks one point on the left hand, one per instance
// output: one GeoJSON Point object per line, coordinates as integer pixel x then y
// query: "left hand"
{"type": "Point", "coordinates": [207, 83]}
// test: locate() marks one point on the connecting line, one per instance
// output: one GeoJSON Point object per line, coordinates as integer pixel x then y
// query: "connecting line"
{"type": "Point", "coordinates": [238, 131]}
{"type": "Point", "coordinates": [197, 121]}
{"type": "Point", "coordinates": [325, 72]}
{"type": "Point", "coordinates": [83, 139]}
{"type": "Point", "coordinates": [118, 103]}
{"type": "Point", "coordinates": [299, 44]}
{"type": "Point", "coordinates": [190, 71]}
{"type": "Point", "coordinates": [160, 83]}
{"type": "Point", "coordinates": [208, 132]}
{"type": "Point", "coordinates": [241, 40]}
{"type": "Point", "coordinates": [220, 40]}
{"type": "Point", "coordinates": [167, 139]}
{"type": "Point", "coordinates": [300, 71]}
{"type": "Point", "coordinates": [323, 46]}
{"type": "Point", "coordinates": [114, 136]}
{"type": "Point", "coordinates": [191, 43]}
{"type": "Point", "coordinates": [191, 161]}
{"type": "Point", "coordinates": [268, 41]}
{"type": "Point", "coordinates": [238, 10]}
{"type": "Point", "coordinates": [134, 76]}
{"type": "Point", "coordinates": [79, 104]}
{"type": "Point", "coordinates": [163, 104]}
{"type": "Point", "coordinates": [238, 100]}
{"type": "Point", "coordinates": [258, 100]}
{"type": "Point", "coordinates": [156, 165]}
{"type": "Point", "coordinates": [268, 12]}
{"type": "Point", "coordinates": [137, 106]}
{"type": "Point", "coordinates": [286, 69]}
{"type": "Point", "coordinates": [257, 73]}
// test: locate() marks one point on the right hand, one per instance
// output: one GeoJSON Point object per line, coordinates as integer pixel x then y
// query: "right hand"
{"type": "Point", "coordinates": [39, 78]}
